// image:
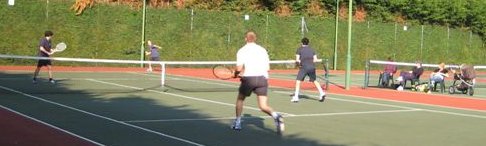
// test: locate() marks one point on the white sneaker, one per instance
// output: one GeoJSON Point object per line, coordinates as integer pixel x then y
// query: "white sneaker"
{"type": "Point", "coordinates": [149, 70]}
{"type": "Point", "coordinates": [294, 99]}
{"type": "Point", "coordinates": [53, 81]}
{"type": "Point", "coordinates": [400, 88]}
{"type": "Point", "coordinates": [279, 122]}
{"type": "Point", "coordinates": [322, 97]}
{"type": "Point", "coordinates": [236, 125]}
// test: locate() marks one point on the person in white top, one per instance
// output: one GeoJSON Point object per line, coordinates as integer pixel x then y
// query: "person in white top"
{"type": "Point", "coordinates": [254, 60]}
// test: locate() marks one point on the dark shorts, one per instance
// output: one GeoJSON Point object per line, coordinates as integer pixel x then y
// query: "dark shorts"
{"type": "Point", "coordinates": [41, 63]}
{"type": "Point", "coordinates": [154, 58]}
{"type": "Point", "coordinates": [257, 84]}
{"type": "Point", "coordinates": [303, 72]}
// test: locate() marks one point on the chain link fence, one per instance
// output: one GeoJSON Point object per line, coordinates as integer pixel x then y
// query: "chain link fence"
{"type": "Point", "coordinates": [114, 31]}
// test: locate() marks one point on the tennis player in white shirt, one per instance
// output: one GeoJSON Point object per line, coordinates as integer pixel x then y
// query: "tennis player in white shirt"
{"type": "Point", "coordinates": [254, 60]}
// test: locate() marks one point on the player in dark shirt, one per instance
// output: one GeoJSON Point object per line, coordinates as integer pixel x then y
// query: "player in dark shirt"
{"type": "Point", "coordinates": [305, 58]}
{"type": "Point", "coordinates": [154, 54]}
{"type": "Point", "coordinates": [44, 51]}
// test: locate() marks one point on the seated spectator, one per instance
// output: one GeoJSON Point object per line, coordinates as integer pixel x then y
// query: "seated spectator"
{"type": "Point", "coordinates": [414, 74]}
{"type": "Point", "coordinates": [438, 76]}
{"type": "Point", "coordinates": [388, 72]}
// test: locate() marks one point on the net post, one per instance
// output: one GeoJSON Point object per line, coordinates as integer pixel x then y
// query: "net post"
{"type": "Point", "coordinates": [367, 74]}
{"type": "Point", "coordinates": [162, 74]}
{"type": "Point", "coordinates": [326, 74]}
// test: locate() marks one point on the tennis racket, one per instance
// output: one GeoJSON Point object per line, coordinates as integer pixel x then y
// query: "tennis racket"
{"type": "Point", "coordinates": [223, 72]}
{"type": "Point", "coordinates": [60, 47]}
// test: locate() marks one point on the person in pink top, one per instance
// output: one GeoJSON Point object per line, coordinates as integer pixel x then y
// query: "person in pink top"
{"type": "Point", "coordinates": [388, 72]}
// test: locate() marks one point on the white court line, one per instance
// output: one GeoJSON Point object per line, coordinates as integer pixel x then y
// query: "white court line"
{"type": "Point", "coordinates": [103, 117]}
{"type": "Point", "coordinates": [192, 80]}
{"type": "Point", "coordinates": [357, 101]}
{"type": "Point", "coordinates": [423, 104]}
{"type": "Point", "coordinates": [268, 117]}
{"type": "Point", "coordinates": [178, 95]}
{"type": "Point", "coordinates": [371, 103]}
{"type": "Point", "coordinates": [453, 113]}
{"type": "Point", "coordinates": [49, 125]}
{"type": "Point", "coordinates": [357, 113]}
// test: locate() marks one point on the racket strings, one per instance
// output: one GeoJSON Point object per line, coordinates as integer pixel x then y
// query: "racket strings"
{"type": "Point", "coordinates": [60, 47]}
{"type": "Point", "coordinates": [223, 72]}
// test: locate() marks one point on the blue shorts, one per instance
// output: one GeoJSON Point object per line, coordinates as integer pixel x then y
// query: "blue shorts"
{"type": "Point", "coordinates": [303, 72]}
{"type": "Point", "coordinates": [154, 58]}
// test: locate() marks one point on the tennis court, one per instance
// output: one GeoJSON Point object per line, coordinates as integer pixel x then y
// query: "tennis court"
{"type": "Point", "coordinates": [132, 108]}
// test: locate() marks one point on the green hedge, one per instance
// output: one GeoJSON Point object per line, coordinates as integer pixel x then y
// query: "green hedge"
{"type": "Point", "coordinates": [112, 31]}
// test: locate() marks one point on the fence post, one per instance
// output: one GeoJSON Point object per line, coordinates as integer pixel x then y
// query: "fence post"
{"type": "Point", "coordinates": [367, 74]}
{"type": "Point", "coordinates": [142, 45]}
{"type": "Point", "coordinates": [326, 74]}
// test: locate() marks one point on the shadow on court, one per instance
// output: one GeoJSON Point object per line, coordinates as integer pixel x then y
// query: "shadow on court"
{"type": "Point", "coordinates": [134, 113]}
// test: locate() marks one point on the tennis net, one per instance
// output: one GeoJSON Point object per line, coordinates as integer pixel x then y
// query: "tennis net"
{"type": "Point", "coordinates": [175, 71]}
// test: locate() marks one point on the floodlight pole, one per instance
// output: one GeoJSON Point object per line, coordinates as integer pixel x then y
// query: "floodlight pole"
{"type": "Point", "coordinates": [336, 36]}
{"type": "Point", "coordinates": [142, 45]}
{"type": "Point", "coordinates": [348, 58]}
{"type": "Point", "coordinates": [421, 42]}
{"type": "Point", "coordinates": [47, 13]}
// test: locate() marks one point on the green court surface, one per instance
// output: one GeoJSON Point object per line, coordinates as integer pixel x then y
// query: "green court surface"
{"type": "Point", "coordinates": [133, 109]}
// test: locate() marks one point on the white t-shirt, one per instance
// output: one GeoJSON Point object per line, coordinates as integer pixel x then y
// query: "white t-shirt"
{"type": "Point", "coordinates": [255, 60]}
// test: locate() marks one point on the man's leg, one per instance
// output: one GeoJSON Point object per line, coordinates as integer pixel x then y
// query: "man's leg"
{"type": "Point", "coordinates": [322, 94]}
{"type": "Point", "coordinates": [239, 109]}
{"type": "Point", "coordinates": [263, 105]}
{"type": "Point", "coordinates": [384, 80]}
{"type": "Point", "coordinates": [313, 79]}
{"type": "Point", "coordinates": [149, 67]}
{"type": "Point", "coordinates": [432, 82]}
{"type": "Point", "coordinates": [300, 77]}
{"type": "Point", "coordinates": [239, 105]}
{"type": "Point", "coordinates": [295, 98]}
{"type": "Point", "coordinates": [49, 70]}
{"type": "Point", "coordinates": [36, 73]}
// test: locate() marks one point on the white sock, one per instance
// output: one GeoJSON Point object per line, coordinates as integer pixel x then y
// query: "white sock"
{"type": "Point", "coordinates": [320, 91]}
{"type": "Point", "coordinates": [296, 93]}
{"type": "Point", "coordinates": [238, 119]}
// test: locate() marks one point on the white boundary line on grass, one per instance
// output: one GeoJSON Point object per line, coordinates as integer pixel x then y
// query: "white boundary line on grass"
{"type": "Point", "coordinates": [268, 117]}
{"type": "Point", "coordinates": [49, 125]}
{"type": "Point", "coordinates": [178, 95]}
{"type": "Point", "coordinates": [364, 102]}
{"type": "Point", "coordinates": [103, 117]}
